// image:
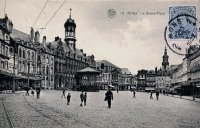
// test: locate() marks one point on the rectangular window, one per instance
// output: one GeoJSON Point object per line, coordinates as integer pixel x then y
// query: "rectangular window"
{"type": "Point", "coordinates": [0, 47]}
{"type": "Point", "coordinates": [6, 51]}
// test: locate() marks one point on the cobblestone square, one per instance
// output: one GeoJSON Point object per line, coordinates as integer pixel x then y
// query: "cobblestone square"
{"type": "Point", "coordinates": [52, 111]}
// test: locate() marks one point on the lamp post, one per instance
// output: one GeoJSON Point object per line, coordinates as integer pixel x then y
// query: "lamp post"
{"type": "Point", "coordinates": [28, 72]}
{"type": "Point", "coordinates": [193, 91]}
{"type": "Point", "coordinates": [13, 91]}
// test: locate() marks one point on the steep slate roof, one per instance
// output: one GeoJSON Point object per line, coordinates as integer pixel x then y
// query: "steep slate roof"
{"type": "Point", "coordinates": [66, 47]}
{"type": "Point", "coordinates": [20, 35]}
{"type": "Point", "coordinates": [107, 63]}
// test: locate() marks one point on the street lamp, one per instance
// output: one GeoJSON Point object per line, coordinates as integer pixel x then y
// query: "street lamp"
{"type": "Point", "coordinates": [28, 72]}
{"type": "Point", "coordinates": [193, 91]}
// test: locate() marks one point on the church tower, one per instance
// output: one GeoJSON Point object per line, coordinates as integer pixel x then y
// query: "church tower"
{"type": "Point", "coordinates": [165, 63]}
{"type": "Point", "coordinates": [70, 31]}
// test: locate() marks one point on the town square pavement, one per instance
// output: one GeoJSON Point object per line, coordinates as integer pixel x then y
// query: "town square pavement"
{"type": "Point", "coordinates": [52, 111]}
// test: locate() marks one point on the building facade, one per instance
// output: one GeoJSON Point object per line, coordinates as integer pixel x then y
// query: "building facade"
{"type": "Point", "coordinates": [6, 54]}
{"type": "Point", "coordinates": [25, 59]}
{"type": "Point", "coordinates": [67, 58]}
{"type": "Point", "coordinates": [163, 75]}
{"type": "Point", "coordinates": [126, 79]}
{"type": "Point", "coordinates": [109, 74]}
{"type": "Point", "coordinates": [141, 83]}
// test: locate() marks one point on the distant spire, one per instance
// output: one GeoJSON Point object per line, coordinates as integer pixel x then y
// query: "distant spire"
{"type": "Point", "coordinates": [165, 50]}
{"type": "Point", "coordinates": [70, 12]}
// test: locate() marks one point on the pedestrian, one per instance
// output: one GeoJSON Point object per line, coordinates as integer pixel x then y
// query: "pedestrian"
{"type": "Point", "coordinates": [133, 93]}
{"type": "Point", "coordinates": [32, 91]}
{"type": "Point", "coordinates": [85, 98]}
{"type": "Point", "coordinates": [63, 93]}
{"type": "Point", "coordinates": [109, 96]}
{"type": "Point", "coordinates": [82, 98]}
{"type": "Point", "coordinates": [27, 90]}
{"type": "Point", "coordinates": [157, 94]}
{"type": "Point", "coordinates": [151, 95]}
{"type": "Point", "coordinates": [38, 92]}
{"type": "Point", "coordinates": [68, 98]}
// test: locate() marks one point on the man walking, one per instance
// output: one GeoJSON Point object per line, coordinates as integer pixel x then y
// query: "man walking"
{"type": "Point", "coordinates": [68, 98]}
{"type": "Point", "coordinates": [109, 96]}
{"type": "Point", "coordinates": [63, 93]}
{"type": "Point", "coordinates": [82, 98]}
{"type": "Point", "coordinates": [157, 95]}
{"type": "Point", "coordinates": [27, 90]}
{"type": "Point", "coordinates": [38, 92]}
{"type": "Point", "coordinates": [85, 98]}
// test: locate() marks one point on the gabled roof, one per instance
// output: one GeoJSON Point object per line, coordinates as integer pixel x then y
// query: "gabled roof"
{"type": "Point", "coordinates": [20, 35]}
{"type": "Point", "coordinates": [125, 71]}
{"type": "Point", "coordinates": [107, 63]}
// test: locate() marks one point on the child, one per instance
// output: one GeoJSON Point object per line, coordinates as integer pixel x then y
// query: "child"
{"type": "Point", "coordinates": [68, 98]}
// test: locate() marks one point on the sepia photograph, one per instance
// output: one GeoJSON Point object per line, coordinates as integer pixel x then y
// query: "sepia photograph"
{"type": "Point", "coordinates": [99, 64]}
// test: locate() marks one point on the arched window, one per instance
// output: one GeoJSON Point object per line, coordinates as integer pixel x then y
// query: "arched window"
{"type": "Point", "coordinates": [23, 53]}
{"type": "Point", "coordinates": [20, 52]}
{"type": "Point", "coordinates": [28, 55]}
{"type": "Point", "coordinates": [32, 55]}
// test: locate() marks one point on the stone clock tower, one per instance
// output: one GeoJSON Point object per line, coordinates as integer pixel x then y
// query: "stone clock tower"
{"type": "Point", "coordinates": [165, 63]}
{"type": "Point", "coordinates": [70, 32]}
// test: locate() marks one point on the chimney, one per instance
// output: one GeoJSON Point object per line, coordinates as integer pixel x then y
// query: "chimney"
{"type": "Point", "coordinates": [37, 36]}
{"type": "Point", "coordinates": [32, 35]}
{"type": "Point", "coordinates": [44, 41]}
{"type": "Point", "coordinates": [57, 38]}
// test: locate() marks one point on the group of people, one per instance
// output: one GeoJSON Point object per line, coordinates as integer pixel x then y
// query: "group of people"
{"type": "Point", "coordinates": [83, 97]}
{"type": "Point", "coordinates": [108, 96]}
{"type": "Point", "coordinates": [27, 89]}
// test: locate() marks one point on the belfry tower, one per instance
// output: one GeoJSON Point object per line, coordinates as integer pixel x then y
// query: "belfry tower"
{"type": "Point", "coordinates": [165, 63]}
{"type": "Point", "coordinates": [70, 31]}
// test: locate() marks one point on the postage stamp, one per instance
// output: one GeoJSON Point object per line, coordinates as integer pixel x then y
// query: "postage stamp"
{"type": "Point", "coordinates": [182, 22]}
{"type": "Point", "coordinates": [182, 29]}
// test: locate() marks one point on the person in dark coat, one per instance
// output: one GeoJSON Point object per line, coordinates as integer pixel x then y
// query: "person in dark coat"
{"type": "Point", "coordinates": [82, 98]}
{"type": "Point", "coordinates": [109, 97]}
{"type": "Point", "coordinates": [85, 98]}
{"type": "Point", "coordinates": [38, 92]}
{"type": "Point", "coordinates": [27, 90]}
{"type": "Point", "coordinates": [68, 98]}
{"type": "Point", "coordinates": [157, 94]}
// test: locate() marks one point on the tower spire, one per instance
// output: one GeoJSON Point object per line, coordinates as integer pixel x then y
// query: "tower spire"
{"type": "Point", "coordinates": [70, 12]}
{"type": "Point", "coordinates": [165, 50]}
{"type": "Point", "coordinates": [165, 63]}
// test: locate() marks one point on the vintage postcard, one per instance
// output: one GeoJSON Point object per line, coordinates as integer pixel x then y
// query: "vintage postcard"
{"type": "Point", "coordinates": [99, 64]}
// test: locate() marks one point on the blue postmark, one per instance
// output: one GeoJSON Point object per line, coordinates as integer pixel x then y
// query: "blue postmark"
{"type": "Point", "coordinates": [182, 22]}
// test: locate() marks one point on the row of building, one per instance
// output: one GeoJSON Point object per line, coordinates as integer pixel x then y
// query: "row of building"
{"type": "Point", "coordinates": [27, 61]}
{"type": "Point", "coordinates": [183, 78]}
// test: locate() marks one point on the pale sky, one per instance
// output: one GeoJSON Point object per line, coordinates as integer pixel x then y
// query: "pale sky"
{"type": "Point", "coordinates": [132, 41]}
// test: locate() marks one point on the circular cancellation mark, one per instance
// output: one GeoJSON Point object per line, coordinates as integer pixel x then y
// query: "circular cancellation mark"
{"type": "Point", "coordinates": [180, 33]}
